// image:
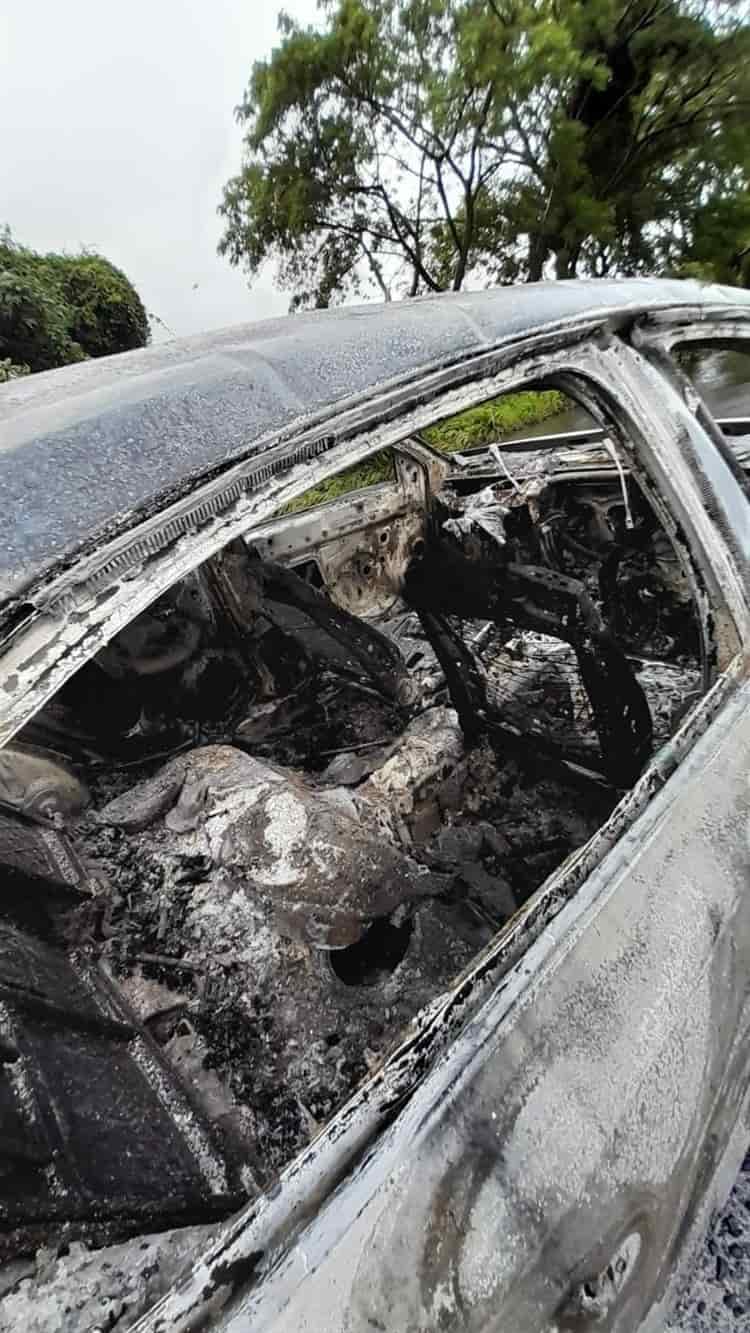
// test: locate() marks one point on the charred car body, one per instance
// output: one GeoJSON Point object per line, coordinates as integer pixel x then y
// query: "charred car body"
{"type": "Point", "coordinates": [375, 946]}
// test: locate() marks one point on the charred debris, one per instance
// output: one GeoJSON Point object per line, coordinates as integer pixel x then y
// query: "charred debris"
{"type": "Point", "coordinates": [251, 839]}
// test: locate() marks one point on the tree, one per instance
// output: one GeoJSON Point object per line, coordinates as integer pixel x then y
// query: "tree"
{"type": "Point", "coordinates": [718, 245]}
{"type": "Point", "coordinates": [33, 315]}
{"type": "Point", "coordinates": [403, 146]}
{"type": "Point", "coordinates": [107, 314]}
{"type": "Point", "coordinates": [55, 309]}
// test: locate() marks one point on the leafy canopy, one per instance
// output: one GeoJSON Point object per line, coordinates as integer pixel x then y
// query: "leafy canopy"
{"type": "Point", "coordinates": [55, 309]}
{"type": "Point", "coordinates": [404, 146]}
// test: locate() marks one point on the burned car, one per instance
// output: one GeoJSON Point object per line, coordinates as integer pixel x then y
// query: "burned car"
{"type": "Point", "coordinates": [375, 938]}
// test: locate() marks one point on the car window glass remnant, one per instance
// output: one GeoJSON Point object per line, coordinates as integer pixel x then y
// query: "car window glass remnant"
{"type": "Point", "coordinates": [298, 795]}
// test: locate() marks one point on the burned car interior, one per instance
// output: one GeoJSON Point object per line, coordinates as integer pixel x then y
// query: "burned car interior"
{"type": "Point", "coordinates": [282, 810]}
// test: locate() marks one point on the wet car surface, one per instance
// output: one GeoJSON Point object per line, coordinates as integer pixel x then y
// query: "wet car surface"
{"type": "Point", "coordinates": [377, 867]}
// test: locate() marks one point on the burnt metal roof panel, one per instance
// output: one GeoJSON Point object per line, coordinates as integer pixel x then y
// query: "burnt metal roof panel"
{"type": "Point", "coordinates": [83, 449]}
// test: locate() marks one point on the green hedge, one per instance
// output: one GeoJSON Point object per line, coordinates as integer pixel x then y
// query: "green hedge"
{"type": "Point", "coordinates": [55, 309]}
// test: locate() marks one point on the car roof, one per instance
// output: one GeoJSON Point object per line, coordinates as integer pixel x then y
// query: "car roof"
{"type": "Point", "coordinates": [85, 448]}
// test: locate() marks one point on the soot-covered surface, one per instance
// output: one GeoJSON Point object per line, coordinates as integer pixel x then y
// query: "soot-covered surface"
{"type": "Point", "coordinates": [294, 834]}
{"type": "Point", "coordinates": [276, 1033]}
{"type": "Point", "coordinates": [221, 957]}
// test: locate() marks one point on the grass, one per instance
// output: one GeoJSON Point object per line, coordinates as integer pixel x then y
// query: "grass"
{"type": "Point", "coordinates": [479, 425]}
{"type": "Point", "coordinates": [490, 422]}
{"type": "Point", "coordinates": [377, 468]}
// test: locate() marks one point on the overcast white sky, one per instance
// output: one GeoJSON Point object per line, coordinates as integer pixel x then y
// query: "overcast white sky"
{"type": "Point", "coordinates": [118, 134]}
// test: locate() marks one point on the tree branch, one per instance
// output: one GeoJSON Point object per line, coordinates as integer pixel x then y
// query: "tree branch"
{"type": "Point", "coordinates": [377, 271]}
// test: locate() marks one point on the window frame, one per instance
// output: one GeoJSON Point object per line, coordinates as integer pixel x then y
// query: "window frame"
{"type": "Point", "coordinates": [99, 596]}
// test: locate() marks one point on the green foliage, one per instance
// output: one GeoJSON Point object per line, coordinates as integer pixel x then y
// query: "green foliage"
{"type": "Point", "coordinates": [10, 371]}
{"type": "Point", "coordinates": [492, 421]}
{"type": "Point", "coordinates": [405, 146]}
{"type": "Point", "coordinates": [34, 322]}
{"type": "Point", "coordinates": [719, 245]}
{"type": "Point", "coordinates": [485, 424]}
{"type": "Point", "coordinates": [107, 313]}
{"type": "Point", "coordinates": [55, 309]}
{"type": "Point", "coordinates": [373, 470]}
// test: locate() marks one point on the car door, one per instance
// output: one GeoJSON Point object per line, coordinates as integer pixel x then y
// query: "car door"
{"type": "Point", "coordinates": [552, 1168]}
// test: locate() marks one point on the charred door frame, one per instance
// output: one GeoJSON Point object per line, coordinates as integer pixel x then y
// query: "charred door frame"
{"type": "Point", "coordinates": [658, 341]}
{"type": "Point", "coordinates": [648, 413]}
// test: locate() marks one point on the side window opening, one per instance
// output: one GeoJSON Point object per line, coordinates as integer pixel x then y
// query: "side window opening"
{"type": "Point", "coordinates": [525, 414]}
{"type": "Point", "coordinates": [378, 468]}
{"type": "Point", "coordinates": [720, 373]}
{"type": "Point", "coordinates": [295, 811]}
{"type": "Point", "coordinates": [574, 508]}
